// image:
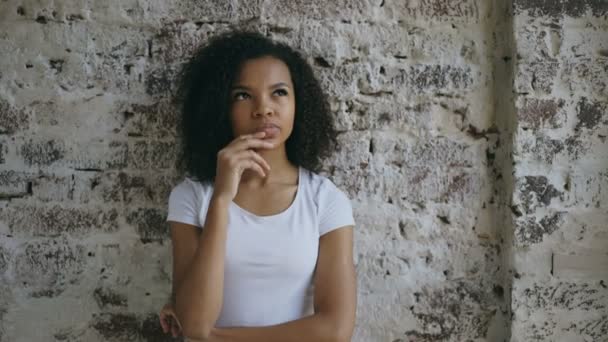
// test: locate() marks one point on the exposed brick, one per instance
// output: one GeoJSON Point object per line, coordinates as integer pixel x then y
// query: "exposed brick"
{"type": "Point", "coordinates": [587, 76]}
{"type": "Point", "coordinates": [103, 187]}
{"type": "Point", "coordinates": [583, 43]}
{"type": "Point", "coordinates": [126, 188]}
{"type": "Point", "coordinates": [123, 186]}
{"type": "Point", "coordinates": [355, 150]}
{"type": "Point", "coordinates": [106, 297]}
{"type": "Point", "coordinates": [459, 309]}
{"type": "Point", "coordinates": [29, 220]}
{"type": "Point", "coordinates": [431, 152]}
{"type": "Point", "coordinates": [152, 154]}
{"type": "Point", "coordinates": [564, 295]}
{"type": "Point", "coordinates": [310, 9]}
{"type": "Point", "coordinates": [536, 191]}
{"type": "Point", "coordinates": [99, 155]}
{"type": "Point", "coordinates": [422, 184]}
{"type": "Point", "coordinates": [587, 189]}
{"type": "Point", "coordinates": [169, 118]}
{"type": "Point", "coordinates": [159, 119]}
{"type": "Point", "coordinates": [570, 8]}
{"type": "Point", "coordinates": [590, 114]}
{"type": "Point", "coordinates": [139, 157]}
{"type": "Point", "coordinates": [162, 154]}
{"type": "Point", "coordinates": [46, 113]}
{"type": "Point", "coordinates": [4, 260]}
{"type": "Point", "coordinates": [381, 113]}
{"type": "Point", "coordinates": [42, 153]}
{"type": "Point", "coordinates": [431, 78]}
{"type": "Point", "coordinates": [12, 119]}
{"type": "Point", "coordinates": [355, 182]}
{"type": "Point", "coordinates": [15, 184]}
{"type": "Point", "coordinates": [158, 82]}
{"type": "Point", "coordinates": [47, 267]}
{"type": "Point", "coordinates": [139, 120]}
{"type": "Point", "coordinates": [152, 331]}
{"type": "Point", "coordinates": [53, 188]}
{"type": "Point", "coordinates": [536, 77]}
{"type": "Point", "coordinates": [129, 327]}
{"type": "Point", "coordinates": [149, 223]}
{"type": "Point", "coordinates": [178, 40]}
{"type": "Point", "coordinates": [538, 43]}
{"type": "Point", "coordinates": [341, 43]}
{"type": "Point", "coordinates": [535, 113]}
{"type": "Point", "coordinates": [117, 326]}
{"type": "Point", "coordinates": [529, 230]}
{"type": "Point", "coordinates": [341, 82]}
{"type": "Point", "coordinates": [3, 312]}
{"type": "Point", "coordinates": [544, 148]}
{"type": "Point", "coordinates": [217, 12]}
{"type": "Point", "coordinates": [462, 12]}
{"type": "Point", "coordinates": [88, 155]}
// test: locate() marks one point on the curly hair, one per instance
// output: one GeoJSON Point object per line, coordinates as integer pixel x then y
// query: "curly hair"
{"type": "Point", "coordinates": [203, 95]}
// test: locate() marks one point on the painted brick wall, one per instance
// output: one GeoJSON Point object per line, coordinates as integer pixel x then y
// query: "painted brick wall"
{"type": "Point", "coordinates": [560, 168]}
{"type": "Point", "coordinates": [473, 146]}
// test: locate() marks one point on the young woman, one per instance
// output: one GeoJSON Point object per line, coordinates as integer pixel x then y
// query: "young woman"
{"type": "Point", "coordinates": [262, 244]}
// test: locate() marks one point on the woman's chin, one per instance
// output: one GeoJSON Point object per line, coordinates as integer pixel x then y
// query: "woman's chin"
{"type": "Point", "coordinates": [276, 142]}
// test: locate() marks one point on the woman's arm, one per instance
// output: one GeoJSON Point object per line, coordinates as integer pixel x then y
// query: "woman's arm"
{"type": "Point", "coordinates": [335, 300]}
{"type": "Point", "coordinates": [198, 295]}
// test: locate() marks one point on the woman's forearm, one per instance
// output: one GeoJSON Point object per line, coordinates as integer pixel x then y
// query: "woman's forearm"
{"type": "Point", "coordinates": [317, 327]}
{"type": "Point", "coordinates": [198, 298]}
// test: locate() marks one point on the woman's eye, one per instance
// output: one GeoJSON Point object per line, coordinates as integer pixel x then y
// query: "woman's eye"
{"type": "Point", "coordinates": [238, 96]}
{"type": "Point", "coordinates": [281, 92]}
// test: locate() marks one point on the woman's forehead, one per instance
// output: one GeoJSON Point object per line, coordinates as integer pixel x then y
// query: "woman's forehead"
{"type": "Point", "coordinates": [264, 70]}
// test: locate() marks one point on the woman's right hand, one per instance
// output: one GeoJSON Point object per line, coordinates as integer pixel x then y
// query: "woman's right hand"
{"type": "Point", "coordinates": [235, 158]}
{"type": "Point", "coordinates": [169, 321]}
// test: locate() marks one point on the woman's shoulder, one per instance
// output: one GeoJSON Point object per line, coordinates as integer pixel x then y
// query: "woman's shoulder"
{"type": "Point", "coordinates": [333, 204]}
{"type": "Point", "coordinates": [320, 184]}
{"type": "Point", "coordinates": [190, 186]}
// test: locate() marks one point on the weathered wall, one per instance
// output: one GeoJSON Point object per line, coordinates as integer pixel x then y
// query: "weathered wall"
{"type": "Point", "coordinates": [434, 99]}
{"type": "Point", "coordinates": [560, 168]}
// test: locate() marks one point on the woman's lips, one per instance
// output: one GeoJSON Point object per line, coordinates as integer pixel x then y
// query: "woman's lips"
{"type": "Point", "coordinates": [271, 131]}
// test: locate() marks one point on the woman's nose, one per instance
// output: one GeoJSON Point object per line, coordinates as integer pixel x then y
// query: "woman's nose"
{"type": "Point", "coordinates": [262, 108]}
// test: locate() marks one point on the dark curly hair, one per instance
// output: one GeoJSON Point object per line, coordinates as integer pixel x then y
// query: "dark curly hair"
{"type": "Point", "coordinates": [203, 95]}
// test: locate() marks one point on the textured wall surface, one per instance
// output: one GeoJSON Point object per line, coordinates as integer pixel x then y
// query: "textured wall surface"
{"type": "Point", "coordinates": [560, 198]}
{"type": "Point", "coordinates": [474, 146]}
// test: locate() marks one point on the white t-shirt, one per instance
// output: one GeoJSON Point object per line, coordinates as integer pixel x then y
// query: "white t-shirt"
{"type": "Point", "coordinates": [270, 260]}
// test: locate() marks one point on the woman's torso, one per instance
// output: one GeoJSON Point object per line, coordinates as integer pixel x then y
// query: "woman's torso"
{"type": "Point", "coordinates": [270, 259]}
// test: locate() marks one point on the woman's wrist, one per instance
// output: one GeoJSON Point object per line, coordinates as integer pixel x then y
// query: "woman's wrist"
{"type": "Point", "coordinates": [220, 199]}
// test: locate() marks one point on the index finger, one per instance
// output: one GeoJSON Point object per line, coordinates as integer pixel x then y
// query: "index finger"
{"type": "Point", "coordinates": [164, 324]}
{"type": "Point", "coordinates": [252, 135]}
{"type": "Point", "coordinates": [253, 143]}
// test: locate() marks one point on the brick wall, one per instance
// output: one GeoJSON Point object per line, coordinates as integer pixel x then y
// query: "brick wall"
{"type": "Point", "coordinates": [560, 168]}
{"type": "Point", "coordinates": [474, 147]}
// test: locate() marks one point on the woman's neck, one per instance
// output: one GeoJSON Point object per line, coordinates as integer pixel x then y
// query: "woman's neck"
{"type": "Point", "coordinates": [280, 168]}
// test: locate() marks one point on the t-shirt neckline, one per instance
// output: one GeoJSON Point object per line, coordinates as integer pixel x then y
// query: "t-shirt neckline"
{"type": "Point", "coordinates": [284, 212]}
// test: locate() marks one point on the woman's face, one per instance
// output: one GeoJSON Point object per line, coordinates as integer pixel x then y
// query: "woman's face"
{"type": "Point", "coordinates": [262, 98]}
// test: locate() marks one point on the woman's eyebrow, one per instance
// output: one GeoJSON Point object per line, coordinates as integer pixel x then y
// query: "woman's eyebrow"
{"type": "Point", "coordinates": [276, 85]}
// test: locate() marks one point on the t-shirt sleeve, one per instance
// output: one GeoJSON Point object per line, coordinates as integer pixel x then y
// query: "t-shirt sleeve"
{"type": "Point", "coordinates": [335, 209]}
{"type": "Point", "coordinates": [184, 203]}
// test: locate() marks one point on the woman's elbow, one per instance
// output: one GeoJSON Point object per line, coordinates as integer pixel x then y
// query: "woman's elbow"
{"type": "Point", "coordinates": [342, 336]}
{"type": "Point", "coordinates": [194, 327]}
{"type": "Point", "coordinates": [337, 331]}
{"type": "Point", "coordinates": [196, 332]}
